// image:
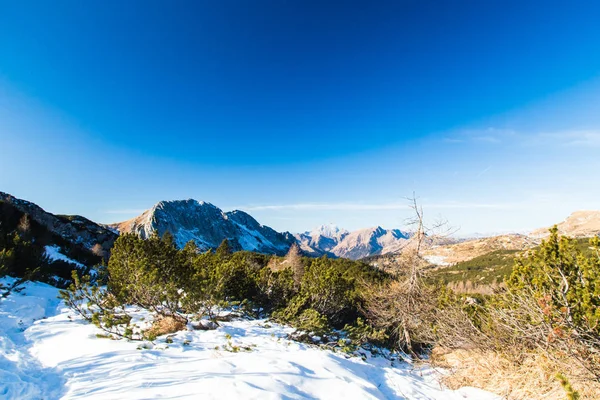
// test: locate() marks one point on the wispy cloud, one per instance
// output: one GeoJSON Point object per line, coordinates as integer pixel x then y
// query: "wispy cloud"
{"type": "Point", "coordinates": [482, 172]}
{"type": "Point", "coordinates": [589, 138]}
{"type": "Point", "coordinates": [487, 135]}
{"type": "Point", "coordinates": [453, 140]}
{"type": "Point", "coordinates": [373, 207]}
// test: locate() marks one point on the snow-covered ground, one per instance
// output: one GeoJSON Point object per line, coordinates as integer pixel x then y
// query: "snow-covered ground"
{"type": "Point", "coordinates": [48, 353]}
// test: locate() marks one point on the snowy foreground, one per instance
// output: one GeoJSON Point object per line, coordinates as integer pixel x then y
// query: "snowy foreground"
{"type": "Point", "coordinates": [48, 353]}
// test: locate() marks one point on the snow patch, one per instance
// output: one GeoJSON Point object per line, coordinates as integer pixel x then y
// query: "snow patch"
{"type": "Point", "coordinates": [437, 260]}
{"type": "Point", "coordinates": [54, 254]}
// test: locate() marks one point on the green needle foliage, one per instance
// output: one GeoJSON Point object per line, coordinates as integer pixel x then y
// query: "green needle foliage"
{"type": "Point", "coordinates": [315, 295]}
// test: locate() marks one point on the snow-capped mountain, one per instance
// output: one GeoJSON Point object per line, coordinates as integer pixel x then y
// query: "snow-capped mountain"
{"type": "Point", "coordinates": [207, 225]}
{"type": "Point", "coordinates": [329, 231]}
{"type": "Point", "coordinates": [370, 241]}
{"type": "Point", "coordinates": [321, 240]}
{"type": "Point", "coordinates": [333, 241]}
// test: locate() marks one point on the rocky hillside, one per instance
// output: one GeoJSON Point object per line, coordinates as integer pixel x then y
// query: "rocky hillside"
{"type": "Point", "coordinates": [336, 242]}
{"type": "Point", "coordinates": [74, 229]}
{"type": "Point", "coordinates": [207, 225]}
{"type": "Point", "coordinates": [37, 244]}
{"type": "Point", "coordinates": [469, 249]}
{"type": "Point", "coordinates": [578, 225]}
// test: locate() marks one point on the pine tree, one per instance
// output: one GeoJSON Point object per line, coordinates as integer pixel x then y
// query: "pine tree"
{"type": "Point", "coordinates": [554, 292]}
{"type": "Point", "coordinates": [564, 281]}
{"type": "Point", "coordinates": [224, 250]}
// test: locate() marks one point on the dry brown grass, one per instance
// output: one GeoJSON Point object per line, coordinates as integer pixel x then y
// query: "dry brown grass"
{"type": "Point", "coordinates": [469, 249]}
{"type": "Point", "coordinates": [276, 264]}
{"type": "Point", "coordinates": [533, 378]}
{"type": "Point", "coordinates": [164, 326]}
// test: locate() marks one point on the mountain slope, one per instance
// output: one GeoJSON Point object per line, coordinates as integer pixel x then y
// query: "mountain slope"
{"type": "Point", "coordinates": [578, 225]}
{"type": "Point", "coordinates": [75, 229]}
{"type": "Point", "coordinates": [35, 243]}
{"type": "Point", "coordinates": [469, 249]}
{"type": "Point", "coordinates": [207, 225]}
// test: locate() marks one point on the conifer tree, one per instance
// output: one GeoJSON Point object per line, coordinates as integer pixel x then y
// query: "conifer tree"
{"type": "Point", "coordinates": [224, 250]}
{"type": "Point", "coordinates": [553, 300]}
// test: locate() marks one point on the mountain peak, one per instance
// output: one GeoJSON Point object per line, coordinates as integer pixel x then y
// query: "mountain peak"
{"type": "Point", "coordinates": [183, 203]}
{"type": "Point", "coordinates": [207, 225]}
{"type": "Point", "coordinates": [330, 239]}
{"type": "Point", "coordinates": [329, 231]}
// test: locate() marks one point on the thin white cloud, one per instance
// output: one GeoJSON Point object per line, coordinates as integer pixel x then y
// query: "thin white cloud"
{"type": "Point", "coordinates": [373, 207]}
{"type": "Point", "coordinates": [586, 138]}
{"type": "Point", "coordinates": [453, 140]}
{"type": "Point", "coordinates": [486, 139]}
{"type": "Point", "coordinates": [482, 172]}
{"type": "Point", "coordinates": [583, 138]}
{"type": "Point", "coordinates": [487, 135]}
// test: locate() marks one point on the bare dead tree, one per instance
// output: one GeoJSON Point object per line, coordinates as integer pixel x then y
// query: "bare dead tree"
{"type": "Point", "coordinates": [24, 224]}
{"type": "Point", "coordinates": [99, 251]}
{"type": "Point", "coordinates": [406, 307]}
{"type": "Point", "coordinates": [293, 259]}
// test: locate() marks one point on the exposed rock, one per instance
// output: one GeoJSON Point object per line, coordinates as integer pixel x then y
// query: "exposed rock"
{"type": "Point", "coordinates": [204, 325]}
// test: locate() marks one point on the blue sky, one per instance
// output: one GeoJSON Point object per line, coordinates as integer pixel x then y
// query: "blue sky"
{"type": "Point", "coordinates": [305, 112]}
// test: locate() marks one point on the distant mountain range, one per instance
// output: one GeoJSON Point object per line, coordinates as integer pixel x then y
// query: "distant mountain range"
{"type": "Point", "coordinates": [333, 241]}
{"type": "Point", "coordinates": [580, 224]}
{"type": "Point", "coordinates": [207, 225]}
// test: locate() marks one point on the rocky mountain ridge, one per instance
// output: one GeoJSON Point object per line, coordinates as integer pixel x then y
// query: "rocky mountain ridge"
{"type": "Point", "coordinates": [207, 225]}
{"type": "Point", "coordinates": [336, 242]}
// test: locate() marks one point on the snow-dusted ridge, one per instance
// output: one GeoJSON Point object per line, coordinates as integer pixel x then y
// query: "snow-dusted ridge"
{"type": "Point", "coordinates": [331, 240]}
{"type": "Point", "coordinates": [47, 352]}
{"type": "Point", "coordinates": [207, 225]}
